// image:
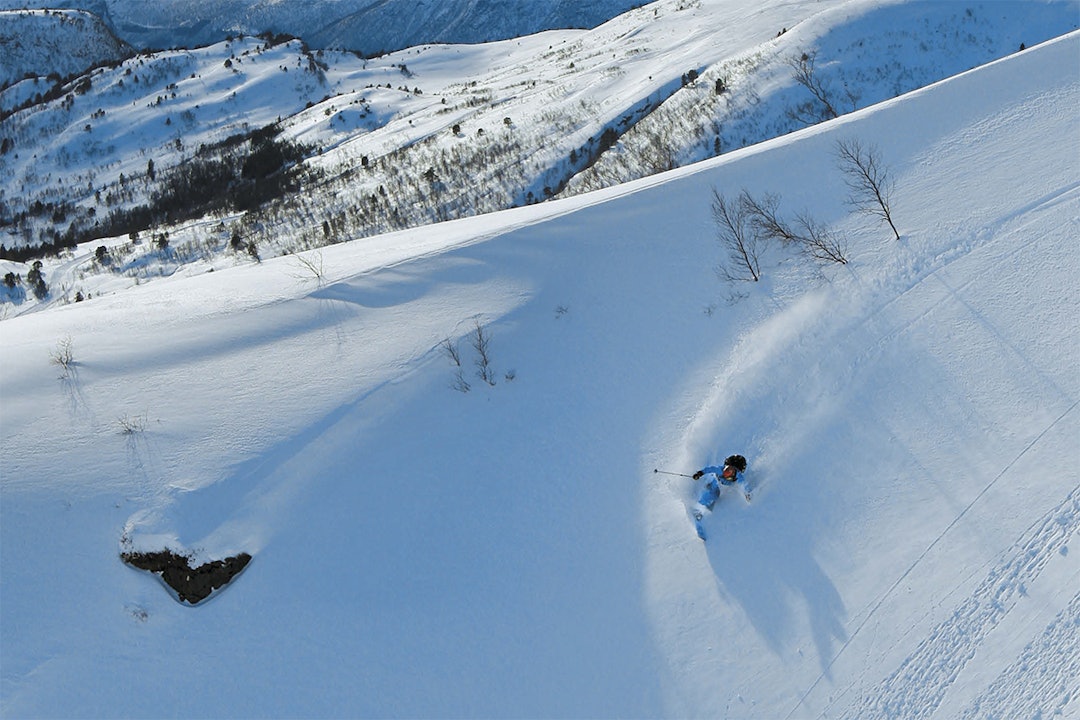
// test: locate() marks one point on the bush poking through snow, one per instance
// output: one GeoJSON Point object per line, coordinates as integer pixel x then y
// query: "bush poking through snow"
{"type": "Point", "coordinates": [818, 242]}
{"type": "Point", "coordinates": [460, 383]}
{"type": "Point", "coordinates": [451, 350]}
{"type": "Point", "coordinates": [63, 356]}
{"type": "Point", "coordinates": [130, 425]}
{"type": "Point", "coordinates": [481, 342]}
{"type": "Point", "coordinates": [311, 266]}
{"type": "Point", "coordinates": [480, 339]}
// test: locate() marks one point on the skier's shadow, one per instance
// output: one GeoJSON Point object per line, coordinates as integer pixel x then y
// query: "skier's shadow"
{"type": "Point", "coordinates": [764, 562]}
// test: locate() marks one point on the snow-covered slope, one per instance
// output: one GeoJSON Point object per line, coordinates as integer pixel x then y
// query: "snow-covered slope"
{"type": "Point", "coordinates": [862, 52]}
{"type": "Point", "coordinates": [437, 132]}
{"type": "Point", "coordinates": [42, 42]}
{"type": "Point", "coordinates": [910, 420]}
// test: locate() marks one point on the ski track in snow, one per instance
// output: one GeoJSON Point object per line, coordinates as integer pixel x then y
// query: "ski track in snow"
{"type": "Point", "coordinates": [918, 687]}
{"type": "Point", "coordinates": [1044, 680]}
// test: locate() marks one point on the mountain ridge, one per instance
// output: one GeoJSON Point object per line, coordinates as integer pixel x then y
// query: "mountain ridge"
{"type": "Point", "coordinates": [367, 26]}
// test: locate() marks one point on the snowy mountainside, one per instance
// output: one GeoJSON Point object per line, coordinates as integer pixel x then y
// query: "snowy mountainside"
{"type": "Point", "coordinates": [154, 110]}
{"type": "Point", "coordinates": [559, 92]}
{"type": "Point", "coordinates": [862, 53]}
{"type": "Point", "coordinates": [435, 132]}
{"type": "Point", "coordinates": [421, 550]}
{"type": "Point", "coordinates": [395, 24]}
{"type": "Point", "coordinates": [366, 26]}
{"type": "Point", "coordinates": [42, 42]}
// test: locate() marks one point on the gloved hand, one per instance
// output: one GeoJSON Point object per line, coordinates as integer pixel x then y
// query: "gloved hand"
{"type": "Point", "coordinates": [698, 475]}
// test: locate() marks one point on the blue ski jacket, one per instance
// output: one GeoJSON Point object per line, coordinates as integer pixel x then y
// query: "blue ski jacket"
{"type": "Point", "coordinates": [718, 471]}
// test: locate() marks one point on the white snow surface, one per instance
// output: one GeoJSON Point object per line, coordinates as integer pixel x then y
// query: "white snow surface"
{"type": "Point", "coordinates": [910, 421]}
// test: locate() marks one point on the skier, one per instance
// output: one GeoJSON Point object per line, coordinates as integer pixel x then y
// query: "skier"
{"type": "Point", "coordinates": [731, 473]}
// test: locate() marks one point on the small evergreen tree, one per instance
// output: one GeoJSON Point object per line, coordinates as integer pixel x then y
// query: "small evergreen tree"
{"type": "Point", "coordinates": [37, 281]}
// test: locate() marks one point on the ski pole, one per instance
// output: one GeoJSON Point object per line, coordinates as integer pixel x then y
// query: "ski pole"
{"type": "Point", "coordinates": [665, 472]}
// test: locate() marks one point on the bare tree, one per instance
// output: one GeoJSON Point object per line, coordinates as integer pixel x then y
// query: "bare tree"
{"type": "Point", "coordinates": [451, 350]}
{"type": "Point", "coordinates": [867, 179]}
{"type": "Point", "coordinates": [811, 237]}
{"type": "Point", "coordinates": [827, 106]}
{"type": "Point", "coordinates": [816, 241]}
{"type": "Point", "coordinates": [311, 267]}
{"type": "Point", "coordinates": [735, 233]}
{"type": "Point", "coordinates": [765, 217]}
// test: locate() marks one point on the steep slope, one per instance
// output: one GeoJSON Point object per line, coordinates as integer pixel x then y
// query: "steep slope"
{"type": "Point", "coordinates": [42, 42]}
{"type": "Point", "coordinates": [508, 551]}
{"type": "Point", "coordinates": [856, 55]}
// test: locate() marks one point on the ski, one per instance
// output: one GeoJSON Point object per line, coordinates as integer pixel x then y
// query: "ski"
{"type": "Point", "coordinates": [698, 515]}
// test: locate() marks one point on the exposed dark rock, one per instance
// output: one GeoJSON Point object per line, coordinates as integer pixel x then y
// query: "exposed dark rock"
{"type": "Point", "coordinates": [192, 585]}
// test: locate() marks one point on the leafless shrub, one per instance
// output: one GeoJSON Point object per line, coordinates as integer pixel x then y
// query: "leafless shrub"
{"type": "Point", "coordinates": [765, 219]}
{"type": "Point", "coordinates": [867, 179]}
{"type": "Point", "coordinates": [450, 349]}
{"type": "Point", "coordinates": [139, 614]}
{"type": "Point", "coordinates": [130, 425]}
{"type": "Point", "coordinates": [63, 356]}
{"type": "Point", "coordinates": [311, 266]}
{"type": "Point", "coordinates": [481, 342]}
{"type": "Point", "coordinates": [460, 383]}
{"type": "Point", "coordinates": [818, 242]}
